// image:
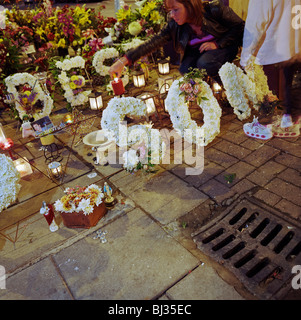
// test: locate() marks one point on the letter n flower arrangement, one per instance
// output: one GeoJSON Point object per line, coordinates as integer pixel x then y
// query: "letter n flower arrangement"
{"type": "Point", "coordinates": [72, 80]}
{"type": "Point", "coordinates": [192, 88]}
{"type": "Point", "coordinates": [244, 88]}
{"type": "Point", "coordinates": [81, 207]}
{"type": "Point", "coordinates": [143, 146]}
{"type": "Point", "coordinates": [29, 97]}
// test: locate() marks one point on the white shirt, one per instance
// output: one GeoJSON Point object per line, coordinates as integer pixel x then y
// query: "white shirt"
{"type": "Point", "coordinates": [272, 31]}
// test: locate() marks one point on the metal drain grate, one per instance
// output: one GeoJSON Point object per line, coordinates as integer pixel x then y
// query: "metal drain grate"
{"type": "Point", "coordinates": [257, 244]}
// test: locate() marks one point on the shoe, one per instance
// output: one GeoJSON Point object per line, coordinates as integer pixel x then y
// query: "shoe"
{"type": "Point", "coordinates": [257, 130]}
{"type": "Point", "coordinates": [290, 132]}
{"type": "Point", "coordinates": [287, 132]}
{"type": "Point", "coordinates": [286, 121]}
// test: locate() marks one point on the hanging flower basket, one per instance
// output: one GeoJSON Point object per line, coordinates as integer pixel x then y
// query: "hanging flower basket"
{"type": "Point", "coordinates": [81, 220]}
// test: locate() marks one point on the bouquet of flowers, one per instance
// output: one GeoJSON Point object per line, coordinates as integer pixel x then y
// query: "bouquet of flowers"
{"type": "Point", "coordinates": [144, 21]}
{"type": "Point", "coordinates": [80, 199]}
{"type": "Point", "coordinates": [191, 85]}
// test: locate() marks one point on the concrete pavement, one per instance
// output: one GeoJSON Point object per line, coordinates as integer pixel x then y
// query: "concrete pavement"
{"type": "Point", "coordinates": [150, 252]}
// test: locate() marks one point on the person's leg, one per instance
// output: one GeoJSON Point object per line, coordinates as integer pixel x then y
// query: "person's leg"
{"type": "Point", "coordinates": [213, 60]}
{"type": "Point", "coordinates": [288, 73]}
{"type": "Point", "coordinates": [189, 60]}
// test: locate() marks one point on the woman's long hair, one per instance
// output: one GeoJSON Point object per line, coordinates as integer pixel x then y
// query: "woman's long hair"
{"type": "Point", "coordinates": [194, 9]}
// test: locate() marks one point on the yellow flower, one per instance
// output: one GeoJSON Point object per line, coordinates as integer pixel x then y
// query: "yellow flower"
{"type": "Point", "coordinates": [123, 14]}
{"type": "Point", "coordinates": [155, 17]}
{"type": "Point", "coordinates": [72, 85]}
{"type": "Point", "coordinates": [147, 9]}
{"type": "Point", "coordinates": [74, 77]}
{"type": "Point", "coordinates": [61, 43]}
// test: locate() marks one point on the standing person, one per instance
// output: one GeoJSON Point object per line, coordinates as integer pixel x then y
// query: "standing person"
{"type": "Point", "coordinates": [205, 34]}
{"type": "Point", "coordinates": [273, 37]}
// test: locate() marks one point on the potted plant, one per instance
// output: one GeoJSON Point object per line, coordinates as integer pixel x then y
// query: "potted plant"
{"type": "Point", "coordinates": [81, 207]}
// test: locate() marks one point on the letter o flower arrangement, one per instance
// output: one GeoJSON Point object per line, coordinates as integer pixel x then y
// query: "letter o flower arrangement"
{"type": "Point", "coordinates": [150, 148]}
{"type": "Point", "coordinates": [99, 58]}
{"type": "Point", "coordinates": [9, 182]}
{"type": "Point", "coordinates": [98, 63]}
{"type": "Point", "coordinates": [72, 83]}
{"type": "Point", "coordinates": [191, 87]}
{"type": "Point", "coordinates": [25, 102]}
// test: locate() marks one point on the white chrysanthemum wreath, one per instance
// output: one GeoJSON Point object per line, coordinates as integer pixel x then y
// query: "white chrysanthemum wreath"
{"type": "Point", "coordinates": [99, 58]}
{"type": "Point", "coordinates": [112, 121]}
{"type": "Point", "coordinates": [242, 88]}
{"type": "Point", "coordinates": [72, 84]}
{"type": "Point", "coordinates": [13, 81]}
{"type": "Point", "coordinates": [190, 88]}
{"type": "Point", "coordinates": [9, 182]}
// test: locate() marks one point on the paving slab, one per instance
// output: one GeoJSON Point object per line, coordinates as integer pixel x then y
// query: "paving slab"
{"type": "Point", "coordinates": [203, 283]}
{"type": "Point", "coordinates": [38, 282]}
{"type": "Point", "coordinates": [139, 261]}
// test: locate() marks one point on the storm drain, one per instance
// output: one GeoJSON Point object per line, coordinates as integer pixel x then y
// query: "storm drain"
{"type": "Point", "coordinates": [255, 243]}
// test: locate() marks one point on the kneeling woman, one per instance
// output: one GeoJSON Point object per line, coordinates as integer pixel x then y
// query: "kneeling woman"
{"type": "Point", "coordinates": [205, 34]}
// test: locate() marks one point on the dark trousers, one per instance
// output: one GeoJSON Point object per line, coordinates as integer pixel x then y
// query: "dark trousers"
{"type": "Point", "coordinates": [211, 60]}
{"type": "Point", "coordinates": [280, 78]}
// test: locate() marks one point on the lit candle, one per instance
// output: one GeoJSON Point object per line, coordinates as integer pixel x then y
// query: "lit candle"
{"type": "Point", "coordinates": [23, 166]}
{"type": "Point", "coordinates": [216, 87]}
{"type": "Point", "coordinates": [2, 134]}
{"type": "Point", "coordinates": [163, 66]}
{"type": "Point", "coordinates": [55, 169]}
{"type": "Point", "coordinates": [117, 86]}
{"type": "Point", "coordinates": [68, 119]}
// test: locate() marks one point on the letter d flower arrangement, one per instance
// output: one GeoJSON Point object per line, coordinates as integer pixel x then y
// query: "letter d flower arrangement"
{"type": "Point", "coordinates": [81, 207]}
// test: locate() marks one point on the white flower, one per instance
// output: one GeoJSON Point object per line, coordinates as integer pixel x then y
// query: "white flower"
{"type": "Point", "coordinates": [130, 159]}
{"type": "Point", "coordinates": [99, 58]}
{"type": "Point", "coordinates": [181, 118]}
{"type": "Point", "coordinates": [9, 182]}
{"type": "Point", "coordinates": [244, 89]}
{"type": "Point", "coordinates": [13, 81]}
{"type": "Point", "coordinates": [85, 206]}
{"type": "Point", "coordinates": [68, 64]}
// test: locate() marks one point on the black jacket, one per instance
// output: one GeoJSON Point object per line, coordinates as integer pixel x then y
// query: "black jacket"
{"type": "Point", "coordinates": [218, 20]}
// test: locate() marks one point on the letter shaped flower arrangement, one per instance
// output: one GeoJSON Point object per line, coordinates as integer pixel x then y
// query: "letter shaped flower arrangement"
{"type": "Point", "coordinates": [245, 88]}
{"type": "Point", "coordinates": [143, 146]}
{"type": "Point", "coordinates": [191, 87]}
{"type": "Point", "coordinates": [72, 81]}
{"type": "Point", "coordinates": [9, 182]}
{"type": "Point", "coordinates": [30, 99]}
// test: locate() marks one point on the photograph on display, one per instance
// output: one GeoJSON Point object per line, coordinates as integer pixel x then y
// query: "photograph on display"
{"type": "Point", "coordinates": [42, 125]}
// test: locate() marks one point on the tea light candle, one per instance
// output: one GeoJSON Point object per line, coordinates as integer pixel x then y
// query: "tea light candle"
{"type": "Point", "coordinates": [216, 88]}
{"type": "Point", "coordinates": [68, 119]}
{"type": "Point", "coordinates": [117, 86]}
{"type": "Point", "coordinates": [55, 169]}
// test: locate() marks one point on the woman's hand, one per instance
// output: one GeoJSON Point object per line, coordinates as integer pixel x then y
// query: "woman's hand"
{"type": "Point", "coordinates": [206, 46]}
{"type": "Point", "coordinates": [117, 68]}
